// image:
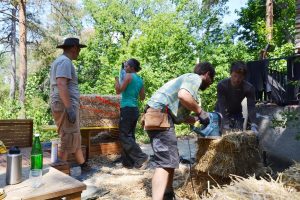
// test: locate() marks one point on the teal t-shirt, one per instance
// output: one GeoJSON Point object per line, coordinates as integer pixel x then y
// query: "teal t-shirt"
{"type": "Point", "coordinates": [131, 93]}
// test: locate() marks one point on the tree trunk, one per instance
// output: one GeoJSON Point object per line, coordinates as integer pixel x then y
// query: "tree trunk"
{"type": "Point", "coordinates": [297, 25]}
{"type": "Point", "coordinates": [12, 92]}
{"type": "Point", "coordinates": [23, 54]}
{"type": "Point", "coordinates": [269, 20]}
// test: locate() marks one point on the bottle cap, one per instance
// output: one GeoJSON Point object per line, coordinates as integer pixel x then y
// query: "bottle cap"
{"type": "Point", "coordinates": [36, 135]}
{"type": "Point", "coordinates": [14, 150]}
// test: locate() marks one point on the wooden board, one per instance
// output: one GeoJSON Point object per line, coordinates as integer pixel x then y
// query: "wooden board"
{"type": "Point", "coordinates": [54, 184]}
{"type": "Point", "coordinates": [105, 148]}
{"type": "Point", "coordinates": [62, 166]}
{"type": "Point", "coordinates": [16, 132]}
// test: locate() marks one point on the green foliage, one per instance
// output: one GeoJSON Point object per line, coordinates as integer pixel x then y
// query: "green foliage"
{"type": "Point", "coordinates": [165, 36]}
{"type": "Point", "coordinates": [282, 51]}
{"type": "Point", "coordinates": [288, 118]}
{"type": "Point", "coordinates": [9, 109]}
{"type": "Point", "coordinates": [253, 27]}
{"type": "Point", "coordinates": [221, 55]}
{"type": "Point", "coordinates": [36, 109]}
{"type": "Point", "coordinates": [38, 84]}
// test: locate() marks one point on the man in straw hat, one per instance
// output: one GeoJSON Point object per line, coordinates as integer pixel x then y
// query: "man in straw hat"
{"type": "Point", "coordinates": [64, 96]}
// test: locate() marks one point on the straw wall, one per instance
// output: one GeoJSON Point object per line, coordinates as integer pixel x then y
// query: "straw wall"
{"type": "Point", "coordinates": [99, 110]}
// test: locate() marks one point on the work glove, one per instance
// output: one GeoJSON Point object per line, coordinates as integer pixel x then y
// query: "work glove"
{"type": "Point", "coordinates": [71, 114]}
{"type": "Point", "coordinates": [204, 118]}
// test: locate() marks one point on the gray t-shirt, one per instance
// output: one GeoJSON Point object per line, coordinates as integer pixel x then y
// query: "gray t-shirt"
{"type": "Point", "coordinates": [63, 67]}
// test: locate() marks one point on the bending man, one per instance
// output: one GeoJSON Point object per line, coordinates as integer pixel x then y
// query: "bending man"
{"type": "Point", "coordinates": [231, 92]}
{"type": "Point", "coordinates": [179, 97]}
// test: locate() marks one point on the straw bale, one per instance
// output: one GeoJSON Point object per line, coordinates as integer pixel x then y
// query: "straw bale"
{"type": "Point", "coordinates": [291, 176]}
{"type": "Point", "coordinates": [236, 153]}
{"type": "Point", "coordinates": [199, 184]}
{"type": "Point", "coordinates": [94, 106]}
{"type": "Point", "coordinates": [252, 189]}
{"type": "Point", "coordinates": [99, 122]}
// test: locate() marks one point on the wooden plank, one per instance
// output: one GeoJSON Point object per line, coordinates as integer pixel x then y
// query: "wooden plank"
{"type": "Point", "coordinates": [106, 148]}
{"type": "Point", "coordinates": [16, 121]}
{"type": "Point", "coordinates": [62, 166]}
{"type": "Point", "coordinates": [54, 184]}
{"type": "Point", "coordinates": [75, 196]}
{"type": "Point", "coordinates": [16, 132]}
{"type": "Point", "coordinates": [54, 128]}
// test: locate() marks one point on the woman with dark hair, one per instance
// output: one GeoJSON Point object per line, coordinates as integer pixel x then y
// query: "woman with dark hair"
{"type": "Point", "coordinates": [131, 88]}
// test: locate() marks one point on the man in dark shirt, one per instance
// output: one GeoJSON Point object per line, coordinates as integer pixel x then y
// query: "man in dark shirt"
{"type": "Point", "coordinates": [230, 94]}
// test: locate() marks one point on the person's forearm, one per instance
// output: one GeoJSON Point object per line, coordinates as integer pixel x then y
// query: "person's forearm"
{"type": "Point", "coordinates": [186, 99]}
{"type": "Point", "coordinates": [251, 106]}
{"type": "Point", "coordinates": [192, 106]}
{"type": "Point", "coordinates": [64, 95]}
{"type": "Point", "coordinates": [252, 113]}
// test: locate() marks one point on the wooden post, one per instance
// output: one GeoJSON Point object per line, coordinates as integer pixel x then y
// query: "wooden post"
{"type": "Point", "coordinates": [297, 40]}
{"type": "Point", "coordinates": [269, 20]}
{"type": "Point", "coordinates": [23, 54]}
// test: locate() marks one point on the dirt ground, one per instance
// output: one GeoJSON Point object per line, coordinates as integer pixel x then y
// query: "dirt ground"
{"type": "Point", "coordinates": [110, 180]}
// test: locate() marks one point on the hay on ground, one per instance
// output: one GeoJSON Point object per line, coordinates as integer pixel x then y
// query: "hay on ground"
{"type": "Point", "coordinates": [291, 176]}
{"type": "Point", "coordinates": [252, 189]}
{"type": "Point", "coordinates": [199, 184]}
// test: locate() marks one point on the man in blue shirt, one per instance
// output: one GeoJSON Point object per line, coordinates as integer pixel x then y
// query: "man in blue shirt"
{"type": "Point", "coordinates": [131, 88]}
{"type": "Point", "coordinates": [180, 97]}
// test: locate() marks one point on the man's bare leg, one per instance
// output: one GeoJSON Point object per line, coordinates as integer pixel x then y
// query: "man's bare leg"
{"type": "Point", "coordinates": [79, 156]}
{"type": "Point", "coordinates": [63, 155]}
{"type": "Point", "coordinates": [161, 178]}
{"type": "Point", "coordinates": [169, 187]}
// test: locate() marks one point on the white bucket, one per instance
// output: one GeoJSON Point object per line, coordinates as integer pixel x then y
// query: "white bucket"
{"type": "Point", "coordinates": [54, 150]}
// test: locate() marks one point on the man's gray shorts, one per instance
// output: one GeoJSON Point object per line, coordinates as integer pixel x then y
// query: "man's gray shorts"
{"type": "Point", "coordinates": [164, 145]}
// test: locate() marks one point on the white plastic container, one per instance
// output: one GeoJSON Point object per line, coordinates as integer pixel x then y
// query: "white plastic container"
{"type": "Point", "coordinates": [54, 150]}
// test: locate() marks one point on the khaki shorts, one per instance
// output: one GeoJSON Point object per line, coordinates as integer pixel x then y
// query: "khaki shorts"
{"type": "Point", "coordinates": [69, 133]}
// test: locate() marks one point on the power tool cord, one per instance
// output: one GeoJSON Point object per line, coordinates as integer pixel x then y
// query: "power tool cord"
{"type": "Point", "coordinates": [190, 167]}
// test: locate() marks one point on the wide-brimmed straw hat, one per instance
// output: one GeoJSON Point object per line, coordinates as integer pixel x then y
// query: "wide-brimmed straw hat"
{"type": "Point", "coordinates": [69, 42]}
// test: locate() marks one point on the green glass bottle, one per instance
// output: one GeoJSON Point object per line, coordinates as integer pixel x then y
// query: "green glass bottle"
{"type": "Point", "coordinates": [36, 153]}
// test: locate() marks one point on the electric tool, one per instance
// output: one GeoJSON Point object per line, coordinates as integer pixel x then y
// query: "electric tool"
{"type": "Point", "coordinates": [213, 129]}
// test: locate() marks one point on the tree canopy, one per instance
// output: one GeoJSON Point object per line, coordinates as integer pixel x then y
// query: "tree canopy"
{"type": "Point", "coordinates": [167, 37]}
